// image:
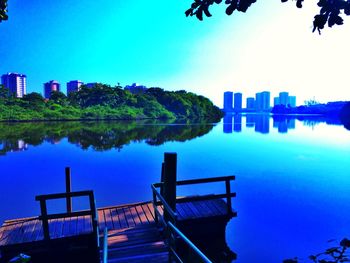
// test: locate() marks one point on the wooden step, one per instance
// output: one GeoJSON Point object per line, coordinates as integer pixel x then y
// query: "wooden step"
{"type": "Point", "coordinates": [138, 249]}
{"type": "Point", "coordinates": [161, 257]}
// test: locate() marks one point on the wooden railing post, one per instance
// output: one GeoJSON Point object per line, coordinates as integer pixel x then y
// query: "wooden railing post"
{"type": "Point", "coordinates": [228, 194]}
{"type": "Point", "coordinates": [44, 219]}
{"type": "Point", "coordinates": [68, 189]}
{"type": "Point", "coordinates": [169, 190]}
{"type": "Point", "coordinates": [162, 179]}
{"type": "Point", "coordinates": [94, 216]}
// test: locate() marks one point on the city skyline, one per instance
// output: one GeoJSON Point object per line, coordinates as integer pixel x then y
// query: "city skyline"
{"type": "Point", "coordinates": [232, 101]}
{"type": "Point", "coordinates": [171, 51]}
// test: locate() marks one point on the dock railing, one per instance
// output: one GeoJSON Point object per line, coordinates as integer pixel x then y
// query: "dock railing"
{"type": "Point", "coordinates": [45, 217]}
{"type": "Point", "coordinates": [158, 199]}
{"type": "Point", "coordinates": [170, 217]}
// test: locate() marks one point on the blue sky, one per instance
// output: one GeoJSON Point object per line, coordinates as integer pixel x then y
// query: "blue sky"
{"type": "Point", "coordinates": [153, 43]}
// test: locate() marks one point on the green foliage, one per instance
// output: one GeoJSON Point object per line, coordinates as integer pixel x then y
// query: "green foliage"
{"type": "Point", "coordinates": [330, 10]}
{"type": "Point", "coordinates": [58, 98]}
{"type": "Point", "coordinates": [4, 92]}
{"type": "Point", "coordinates": [106, 102]}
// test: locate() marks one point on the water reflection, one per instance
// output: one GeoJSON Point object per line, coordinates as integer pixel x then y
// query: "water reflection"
{"type": "Point", "coordinates": [100, 136]}
{"type": "Point", "coordinates": [282, 123]}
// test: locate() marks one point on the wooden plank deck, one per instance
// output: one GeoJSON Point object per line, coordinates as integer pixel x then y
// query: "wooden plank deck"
{"type": "Point", "coordinates": [132, 232]}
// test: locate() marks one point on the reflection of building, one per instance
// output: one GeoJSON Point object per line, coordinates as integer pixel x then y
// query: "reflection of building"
{"type": "Point", "coordinates": [53, 140]}
{"type": "Point", "coordinates": [74, 86]}
{"type": "Point", "coordinates": [13, 146]}
{"type": "Point", "coordinates": [250, 103]}
{"type": "Point", "coordinates": [228, 101]}
{"type": "Point", "coordinates": [227, 123]}
{"type": "Point", "coordinates": [238, 102]}
{"type": "Point", "coordinates": [262, 123]}
{"type": "Point", "coordinates": [237, 123]}
{"type": "Point", "coordinates": [135, 88]}
{"type": "Point", "coordinates": [250, 120]}
{"type": "Point", "coordinates": [283, 123]}
{"type": "Point", "coordinates": [49, 87]}
{"type": "Point", "coordinates": [16, 83]}
{"type": "Point", "coordinates": [291, 123]}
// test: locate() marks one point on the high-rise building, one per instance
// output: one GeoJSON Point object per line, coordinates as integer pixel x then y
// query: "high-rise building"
{"type": "Point", "coordinates": [276, 101]}
{"type": "Point", "coordinates": [228, 101]}
{"type": "Point", "coordinates": [16, 83]}
{"type": "Point", "coordinates": [91, 85]}
{"type": "Point", "coordinates": [74, 86]}
{"type": "Point", "coordinates": [258, 101]}
{"type": "Point", "coordinates": [250, 103]}
{"type": "Point", "coordinates": [262, 101]}
{"type": "Point", "coordinates": [238, 102]}
{"type": "Point", "coordinates": [292, 101]}
{"type": "Point", "coordinates": [136, 88]}
{"type": "Point", "coordinates": [50, 86]}
{"type": "Point", "coordinates": [265, 100]}
{"type": "Point", "coordinates": [283, 97]}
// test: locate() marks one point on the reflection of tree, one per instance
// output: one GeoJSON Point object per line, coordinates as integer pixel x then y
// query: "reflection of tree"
{"type": "Point", "coordinates": [334, 254]}
{"type": "Point", "coordinates": [100, 136]}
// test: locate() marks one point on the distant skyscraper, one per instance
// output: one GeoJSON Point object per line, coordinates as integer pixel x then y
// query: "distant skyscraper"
{"type": "Point", "coordinates": [250, 103]}
{"type": "Point", "coordinates": [73, 86]}
{"type": "Point", "coordinates": [91, 85]}
{"type": "Point", "coordinates": [50, 86]}
{"type": "Point", "coordinates": [283, 98]}
{"type": "Point", "coordinates": [265, 100]}
{"type": "Point", "coordinates": [258, 101]}
{"type": "Point", "coordinates": [238, 102]}
{"type": "Point", "coordinates": [262, 101]}
{"type": "Point", "coordinates": [16, 83]}
{"type": "Point", "coordinates": [228, 100]}
{"type": "Point", "coordinates": [276, 101]}
{"type": "Point", "coordinates": [292, 101]}
{"type": "Point", "coordinates": [136, 88]}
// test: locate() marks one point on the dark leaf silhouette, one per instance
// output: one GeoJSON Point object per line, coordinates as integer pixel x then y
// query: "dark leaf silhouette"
{"type": "Point", "coordinates": [345, 243]}
{"type": "Point", "coordinates": [330, 10]}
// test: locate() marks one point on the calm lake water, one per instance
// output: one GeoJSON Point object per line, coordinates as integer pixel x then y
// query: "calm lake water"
{"type": "Point", "coordinates": [292, 183]}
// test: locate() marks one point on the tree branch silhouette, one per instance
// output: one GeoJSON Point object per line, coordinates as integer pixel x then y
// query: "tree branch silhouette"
{"type": "Point", "coordinates": [3, 10]}
{"type": "Point", "coordinates": [331, 11]}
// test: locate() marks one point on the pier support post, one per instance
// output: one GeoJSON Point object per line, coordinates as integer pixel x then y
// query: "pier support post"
{"type": "Point", "coordinates": [169, 177]}
{"type": "Point", "coordinates": [68, 189]}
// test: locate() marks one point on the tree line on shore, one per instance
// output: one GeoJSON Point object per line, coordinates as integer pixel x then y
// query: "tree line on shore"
{"type": "Point", "coordinates": [106, 102]}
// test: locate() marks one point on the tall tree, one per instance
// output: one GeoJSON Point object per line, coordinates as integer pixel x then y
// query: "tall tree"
{"type": "Point", "coordinates": [330, 10]}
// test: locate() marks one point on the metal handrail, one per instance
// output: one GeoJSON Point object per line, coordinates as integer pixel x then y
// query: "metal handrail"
{"type": "Point", "coordinates": [105, 246]}
{"type": "Point", "coordinates": [188, 242]}
{"type": "Point", "coordinates": [166, 206]}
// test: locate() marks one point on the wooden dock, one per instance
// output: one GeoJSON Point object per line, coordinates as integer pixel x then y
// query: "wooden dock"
{"type": "Point", "coordinates": [133, 235]}
{"type": "Point", "coordinates": [167, 229]}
